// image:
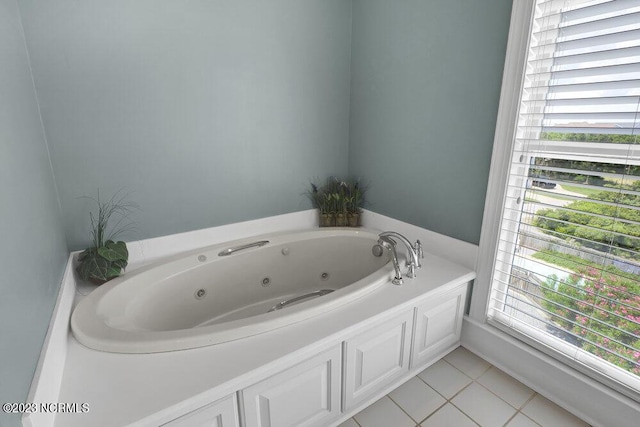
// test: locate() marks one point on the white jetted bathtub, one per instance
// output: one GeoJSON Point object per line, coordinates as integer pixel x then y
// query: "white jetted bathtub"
{"type": "Point", "coordinates": [230, 291]}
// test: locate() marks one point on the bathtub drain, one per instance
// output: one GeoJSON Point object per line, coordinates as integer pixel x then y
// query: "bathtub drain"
{"type": "Point", "coordinates": [200, 293]}
{"type": "Point", "coordinates": [266, 282]}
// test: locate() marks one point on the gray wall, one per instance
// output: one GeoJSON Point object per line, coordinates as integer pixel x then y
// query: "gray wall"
{"type": "Point", "coordinates": [207, 112]}
{"type": "Point", "coordinates": [33, 251]}
{"type": "Point", "coordinates": [425, 85]}
{"type": "Point", "coordinates": [211, 112]}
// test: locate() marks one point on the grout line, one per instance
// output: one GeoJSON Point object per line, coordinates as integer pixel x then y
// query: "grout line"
{"type": "Point", "coordinates": [499, 397]}
{"type": "Point", "coordinates": [530, 419]}
{"type": "Point", "coordinates": [443, 396]}
{"type": "Point", "coordinates": [524, 415]}
{"type": "Point", "coordinates": [486, 370]}
{"type": "Point", "coordinates": [510, 419]}
{"type": "Point", "coordinates": [473, 380]}
{"type": "Point", "coordinates": [467, 415]}
{"type": "Point", "coordinates": [502, 400]}
{"type": "Point", "coordinates": [460, 391]}
{"type": "Point", "coordinates": [402, 409]}
{"type": "Point", "coordinates": [437, 409]}
{"type": "Point", "coordinates": [473, 355]}
{"type": "Point", "coordinates": [528, 400]}
{"type": "Point", "coordinates": [449, 400]}
{"type": "Point", "coordinates": [525, 404]}
{"type": "Point", "coordinates": [435, 391]}
{"type": "Point", "coordinates": [457, 369]}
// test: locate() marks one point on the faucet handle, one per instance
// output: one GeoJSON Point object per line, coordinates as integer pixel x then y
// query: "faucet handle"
{"type": "Point", "coordinates": [419, 253]}
{"type": "Point", "coordinates": [411, 270]}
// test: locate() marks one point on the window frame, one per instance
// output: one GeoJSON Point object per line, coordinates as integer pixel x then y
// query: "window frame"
{"type": "Point", "coordinates": [506, 123]}
{"type": "Point", "coordinates": [522, 18]}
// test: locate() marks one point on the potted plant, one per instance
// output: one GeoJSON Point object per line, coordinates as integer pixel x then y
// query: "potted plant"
{"type": "Point", "coordinates": [327, 212]}
{"type": "Point", "coordinates": [321, 201]}
{"type": "Point", "coordinates": [338, 202]}
{"type": "Point", "coordinates": [106, 258]}
{"type": "Point", "coordinates": [356, 201]}
{"type": "Point", "coordinates": [341, 203]}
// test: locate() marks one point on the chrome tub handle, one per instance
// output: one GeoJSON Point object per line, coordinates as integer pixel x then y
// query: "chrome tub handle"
{"type": "Point", "coordinates": [235, 249]}
{"type": "Point", "coordinates": [283, 304]}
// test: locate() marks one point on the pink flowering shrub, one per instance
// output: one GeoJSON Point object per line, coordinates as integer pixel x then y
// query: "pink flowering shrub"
{"type": "Point", "coordinates": [601, 312]}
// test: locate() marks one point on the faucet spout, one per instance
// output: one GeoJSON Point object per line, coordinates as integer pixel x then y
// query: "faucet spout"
{"type": "Point", "coordinates": [414, 251]}
{"type": "Point", "coordinates": [390, 244]}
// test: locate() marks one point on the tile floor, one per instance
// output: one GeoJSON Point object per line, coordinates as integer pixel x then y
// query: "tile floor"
{"type": "Point", "coordinates": [463, 390]}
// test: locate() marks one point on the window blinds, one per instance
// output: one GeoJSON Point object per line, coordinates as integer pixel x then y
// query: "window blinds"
{"type": "Point", "coordinates": [567, 271]}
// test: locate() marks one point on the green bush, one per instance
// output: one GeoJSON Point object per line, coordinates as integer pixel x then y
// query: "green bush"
{"type": "Point", "coordinates": [589, 137]}
{"type": "Point", "coordinates": [601, 309]}
{"type": "Point", "coordinates": [594, 231]}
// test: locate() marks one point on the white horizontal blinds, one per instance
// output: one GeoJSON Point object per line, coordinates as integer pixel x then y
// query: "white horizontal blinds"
{"type": "Point", "coordinates": [567, 273]}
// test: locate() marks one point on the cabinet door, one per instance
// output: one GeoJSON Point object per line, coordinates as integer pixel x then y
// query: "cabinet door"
{"type": "Point", "coordinates": [375, 358]}
{"type": "Point", "coordinates": [221, 413]}
{"type": "Point", "coordinates": [307, 394]}
{"type": "Point", "coordinates": [438, 325]}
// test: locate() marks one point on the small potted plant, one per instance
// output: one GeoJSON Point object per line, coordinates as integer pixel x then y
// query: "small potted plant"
{"type": "Point", "coordinates": [325, 200]}
{"type": "Point", "coordinates": [356, 201]}
{"type": "Point", "coordinates": [338, 202]}
{"type": "Point", "coordinates": [341, 203]}
{"type": "Point", "coordinates": [327, 211]}
{"type": "Point", "coordinates": [106, 258]}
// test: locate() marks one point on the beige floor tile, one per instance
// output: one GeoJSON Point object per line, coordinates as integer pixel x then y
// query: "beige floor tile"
{"type": "Point", "coordinates": [444, 378]}
{"type": "Point", "coordinates": [383, 413]}
{"type": "Point", "coordinates": [548, 414]}
{"type": "Point", "coordinates": [510, 390]}
{"type": "Point", "coordinates": [417, 399]}
{"type": "Point", "coordinates": [467, 362]}
{"type": "Point", "coordinates": [522, 421]}
{"type": "Point", "coordinates": [483, 407]}
{"type": "Point", "coordinates": [448, 416]}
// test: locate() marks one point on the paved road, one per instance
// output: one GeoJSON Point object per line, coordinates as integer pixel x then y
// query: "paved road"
{"type": "Point", "coordinates": [540, 197]}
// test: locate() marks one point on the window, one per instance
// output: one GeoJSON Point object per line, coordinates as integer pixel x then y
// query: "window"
{"type": "Point", "coordinates": [567, 272]}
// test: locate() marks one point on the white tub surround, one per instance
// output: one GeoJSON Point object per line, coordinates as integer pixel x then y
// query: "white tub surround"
{"type": "Point", "coordinates": [403, 328]}
{"type": "Point", "coordinates": [151, 389]}
{"type": "Point", "coordinates": [47, 379]}
{"type": "Point", "coordinates": [458, 251]}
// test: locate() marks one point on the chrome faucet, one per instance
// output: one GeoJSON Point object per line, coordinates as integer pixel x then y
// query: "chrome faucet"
{"type": "Point", "coordinates": [390, 244]}
{"type": "Point", "coordinates": [415, 253]}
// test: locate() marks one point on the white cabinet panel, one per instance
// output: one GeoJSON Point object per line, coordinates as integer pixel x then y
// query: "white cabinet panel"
{"type": "Point", "coordinates": [438, 325]}
{"type": "Point", "coordinates": [352, 373]}
{"type": "Point", "coordinates": [375, 358]}
{"type": "Point", "coordinates": [221, 413]}
{"type": "Point", "coordinates": [307, 394]}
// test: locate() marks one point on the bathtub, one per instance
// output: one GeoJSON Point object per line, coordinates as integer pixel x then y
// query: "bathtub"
{"type": "Point", "coordinates": [231, 291]}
